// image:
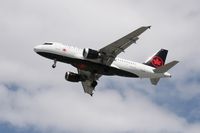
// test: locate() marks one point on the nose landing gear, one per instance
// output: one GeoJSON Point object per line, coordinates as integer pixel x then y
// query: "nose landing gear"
{"type": "Point", "coordinates": [54, 64]}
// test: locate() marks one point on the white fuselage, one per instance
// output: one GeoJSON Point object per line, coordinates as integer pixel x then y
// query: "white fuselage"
{"type": "Point", "coordinates": [74, 53]}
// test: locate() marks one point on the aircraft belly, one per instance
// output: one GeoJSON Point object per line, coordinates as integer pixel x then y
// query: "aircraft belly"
{"type": "Point", "coordinates": [105, 70]}
{"type": "Point", "coordinates": [143, 74]}
{"type": "Point", "coordinates": [88, 65]}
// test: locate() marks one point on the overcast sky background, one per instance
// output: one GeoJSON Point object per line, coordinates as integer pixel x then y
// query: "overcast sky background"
{"type": "Point", "coordinates": [35, 98]}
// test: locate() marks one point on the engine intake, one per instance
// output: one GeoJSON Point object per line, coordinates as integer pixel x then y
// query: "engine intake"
{"type": "Point", "coordinates": [73, 77]}
{"type": "Point", "coordinates": [90, 53]}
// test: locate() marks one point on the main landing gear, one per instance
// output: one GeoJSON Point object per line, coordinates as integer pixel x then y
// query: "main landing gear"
{"type": "Point", "coordinates": [54, 64]}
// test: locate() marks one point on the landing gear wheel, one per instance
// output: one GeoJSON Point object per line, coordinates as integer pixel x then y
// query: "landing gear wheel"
{"type": "Point", "coordinates": [91, 94]}
{"type": "Point", "coordinates": [54, 64]}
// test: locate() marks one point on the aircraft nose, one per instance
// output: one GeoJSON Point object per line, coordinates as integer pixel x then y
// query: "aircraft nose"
{"type": "Point", "coordinates": [36, 49]}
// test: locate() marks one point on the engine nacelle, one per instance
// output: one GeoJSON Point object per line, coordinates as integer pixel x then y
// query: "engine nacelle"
{"type": "Point", "coordinates": [90, 53]}
{"type": "Point", "coordinates": [73, 77]}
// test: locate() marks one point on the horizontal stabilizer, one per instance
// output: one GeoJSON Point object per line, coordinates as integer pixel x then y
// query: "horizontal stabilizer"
{"type": "Point", "coordinates": [154, 81]}
{"type": "Point", "coordinates": [166, 67]}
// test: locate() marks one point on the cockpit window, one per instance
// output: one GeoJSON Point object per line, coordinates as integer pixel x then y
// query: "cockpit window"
{"type": "Point", "coordinates": [48, 43]}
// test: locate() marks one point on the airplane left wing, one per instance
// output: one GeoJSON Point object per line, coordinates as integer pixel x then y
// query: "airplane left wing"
{"type": "Point", "coordinates": [87, 87]}
{"type": "Point", "coordinates": [110, 51]}
{"type": "Point", "coordinates": [90, 83]}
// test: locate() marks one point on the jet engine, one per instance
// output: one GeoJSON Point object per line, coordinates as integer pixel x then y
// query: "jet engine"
{"type": "Point", "coordinates": [73, 77]}
{"type": "Point", "coordinates": [90, 53]}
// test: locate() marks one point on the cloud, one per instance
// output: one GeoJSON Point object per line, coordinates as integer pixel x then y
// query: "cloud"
{"type": "Point", "coordinates": [69, 110]}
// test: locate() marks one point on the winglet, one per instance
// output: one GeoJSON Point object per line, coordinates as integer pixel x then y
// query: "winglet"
{"type": "Point", "coordinates": [149, 27]}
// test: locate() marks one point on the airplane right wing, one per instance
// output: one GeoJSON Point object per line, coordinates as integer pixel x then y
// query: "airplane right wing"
{"type": "Point", "coordinates": [110, 51]}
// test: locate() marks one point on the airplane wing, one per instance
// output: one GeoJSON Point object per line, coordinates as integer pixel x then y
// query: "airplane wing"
{"type": "Point", "coordinates": [110, 51]}
{"type": "Point", "coordinates": [90, 83]}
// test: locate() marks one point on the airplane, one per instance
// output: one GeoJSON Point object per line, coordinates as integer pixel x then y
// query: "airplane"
{"type": "Point", "coordinates": [92, 64]}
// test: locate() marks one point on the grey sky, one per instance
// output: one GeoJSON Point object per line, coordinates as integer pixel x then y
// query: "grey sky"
{"type": "Point", "coordinates": [34, 95]}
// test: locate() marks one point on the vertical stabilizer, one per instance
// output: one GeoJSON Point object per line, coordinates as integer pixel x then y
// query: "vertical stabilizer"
{"type": "Point", "coordinates": [158, 59]}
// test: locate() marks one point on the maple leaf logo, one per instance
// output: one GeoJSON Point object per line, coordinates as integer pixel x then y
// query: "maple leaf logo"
{"type": "Point", "coordinates": [157, 61]}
